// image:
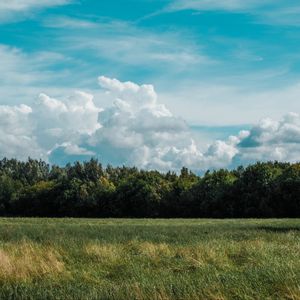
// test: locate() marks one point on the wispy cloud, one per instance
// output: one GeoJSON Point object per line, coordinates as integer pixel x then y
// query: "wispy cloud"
{"type": "Point", "coordinates": [272, 12]}
{"type": "Point", "coordinates": [224, 103]}
{"type": "Point", "coordinates": [68, 22]}
{"type": "Point", "coordinates": [282, 15]}
{"type": "Point", "coordinates": [24, 75]}
{"type": "Point", "coordinates": [22, 5]}
{"type": "Point", "coordinates": [227, 5]}
{"type": "Point", "coordinates": [20, 68]}
{"type": "Point", "coordinates": [125, 44]}
{"type": "Point", "coordinates": [8, 9]}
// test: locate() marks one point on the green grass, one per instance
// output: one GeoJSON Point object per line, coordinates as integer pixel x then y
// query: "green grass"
{"type": "Point", "coordinates": [149, 259]}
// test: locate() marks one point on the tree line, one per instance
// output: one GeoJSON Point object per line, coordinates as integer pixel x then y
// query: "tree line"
{"type": "Point", "coordinates": [35, 189]}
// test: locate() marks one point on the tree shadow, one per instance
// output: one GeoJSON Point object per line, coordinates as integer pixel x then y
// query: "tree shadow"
{"type": "Point", "coordinates": [278, 229]}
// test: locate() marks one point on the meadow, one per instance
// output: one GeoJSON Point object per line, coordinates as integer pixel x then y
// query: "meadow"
{"type": "Point", "coordinates": [149, 259]}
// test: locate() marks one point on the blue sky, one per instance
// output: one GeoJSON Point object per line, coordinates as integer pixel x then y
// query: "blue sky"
{"type": "Point", "coordinates": [179, 46]}
{"type": "Point", "coordinates": [221, 66]}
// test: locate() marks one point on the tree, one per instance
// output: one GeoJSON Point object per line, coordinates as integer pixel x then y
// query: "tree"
{"type": "Point", "coordinates": [9, 193]}
{"type": "Point", "coordinates": [33, 188]}
{"type": "Point", "coordinates": [211, 196]}
{"type": "Point", "coordinates": [286, 193]}
{"type": "Point", "coordinates": [253, 191]}
{"type": "Point", "coordinates": [140, 196]}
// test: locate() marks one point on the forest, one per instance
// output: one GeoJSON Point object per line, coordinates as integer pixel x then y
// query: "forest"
{"type": "Point", "coordinates": [33, 188]}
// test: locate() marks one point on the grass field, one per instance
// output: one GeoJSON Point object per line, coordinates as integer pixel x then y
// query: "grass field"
{"type": "Point", "coordinates": [149, 259]}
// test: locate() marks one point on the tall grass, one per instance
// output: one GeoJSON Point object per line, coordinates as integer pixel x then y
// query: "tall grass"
{"type": "Point", "coordinates": [149, 259]}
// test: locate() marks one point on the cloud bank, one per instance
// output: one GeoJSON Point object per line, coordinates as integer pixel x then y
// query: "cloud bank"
{"type": "Point", "coordinates": [134, 130]}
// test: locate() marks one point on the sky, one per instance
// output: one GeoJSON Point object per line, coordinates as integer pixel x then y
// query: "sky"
{"type": "Point", "coordinates": [159, 84]}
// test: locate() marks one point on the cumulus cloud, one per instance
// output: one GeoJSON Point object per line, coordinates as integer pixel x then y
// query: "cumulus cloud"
{"type": "Point", "coordinates": [272, 140]}
{"type": "Point", "coordinates": [16, 136]}
{"type": "Point", "coordinates": [60, 121]}
{"type": "Point", "coordinates": [134, 130]}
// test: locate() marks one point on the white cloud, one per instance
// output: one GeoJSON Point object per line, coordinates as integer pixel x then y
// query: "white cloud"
{"type": "Point", "coordinates": [15, 10]}
{"type": "Point", "coordinates": [71, 149]}
{"type": "Point", "coordinates": [272, 140]}
{"type": "Point", "coordinates": [265, 141]}
{"type": "Point", "coordinates": [284, 14]}
{"type": "Point", "coordinates": [58, 122]}
{"type": "Point", "coordinates": [11, 60]}
{"type": "Point", "coordinates": [70, 23]}
{"type": "Point", "coordinates": [230, 5]}
{"type": "Point", "coordinates": [16, 136]}
{"type": "Point", "coordinates": [24, 75]}
{"type": "Point", "coordinates": [10, 8]}
{"type": "Point", "coordinates": [18, 5]}
{"type": "Point", "coordinates": [134, 130]}
{"type": "Point", "coordinates": [127, 44]}
{"type": "Point", "coordinates": [272, 12]}
{"type": "Point", "coordinates": [225, 104]}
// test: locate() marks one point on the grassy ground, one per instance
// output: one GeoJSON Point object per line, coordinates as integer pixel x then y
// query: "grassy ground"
{"type": "Point", "coordinates": [149, 259]}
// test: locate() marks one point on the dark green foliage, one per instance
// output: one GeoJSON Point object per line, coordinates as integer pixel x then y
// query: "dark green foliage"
{"type": "Point", "coordinates": [212, 192]}
{"type": "Point", "coordinates": [33, 188]}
